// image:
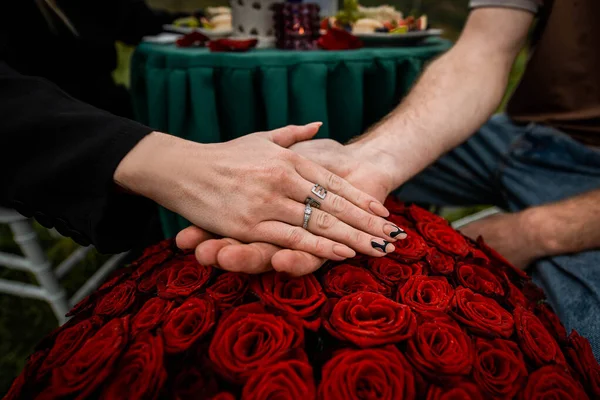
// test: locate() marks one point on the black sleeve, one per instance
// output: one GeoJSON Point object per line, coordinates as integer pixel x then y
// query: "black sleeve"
{"type": "Point", "coordinates": [57, 163]}
{"type": "Point", "coordinates": [125, 20]}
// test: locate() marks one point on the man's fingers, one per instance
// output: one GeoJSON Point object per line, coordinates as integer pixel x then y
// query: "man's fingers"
{"type": "Point", "coordinates": [191, 237]}
{"type": "Point", "coordinates": [295, 263]}
{"type": "Point", "coordinates": [288, 135]}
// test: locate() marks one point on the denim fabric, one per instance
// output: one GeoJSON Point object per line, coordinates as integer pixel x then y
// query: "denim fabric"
{"type": "Point", "coordinates": [515, 167]}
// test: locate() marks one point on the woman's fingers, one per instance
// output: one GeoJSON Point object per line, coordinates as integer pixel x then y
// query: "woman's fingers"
{"type": "Point", "coordinates": [316, 174]}
{"type": "Point", "coordinates": [298, 238]}
{"type": "Point", "coordinates": [349, 213]}
{"type": "Point", "coordinates": [328, 226]}
{"type": "Point", "coordinates": [291, 134]}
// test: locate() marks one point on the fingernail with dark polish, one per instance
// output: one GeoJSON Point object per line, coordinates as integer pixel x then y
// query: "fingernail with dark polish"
{"type": "Point", "coordinates": [379, 246]}
{"type": "Point", "coordinates": [394, 230]}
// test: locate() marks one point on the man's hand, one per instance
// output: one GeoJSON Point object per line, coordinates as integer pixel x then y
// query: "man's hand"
{"type": "Point", "coordinates": [507, 234]}
{"type": "Point", "coordinates": [365, 172]}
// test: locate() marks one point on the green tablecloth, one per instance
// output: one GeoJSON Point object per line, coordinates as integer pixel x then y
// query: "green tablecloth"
{"type": "Point", "coordinates": [212, 97]}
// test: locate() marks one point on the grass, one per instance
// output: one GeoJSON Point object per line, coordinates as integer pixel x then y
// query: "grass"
{"type": "Point", "coordinates": [24, 322]}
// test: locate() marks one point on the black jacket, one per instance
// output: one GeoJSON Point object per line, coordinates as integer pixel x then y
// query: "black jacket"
{"type": "Point", "coordinates": [57, 154]}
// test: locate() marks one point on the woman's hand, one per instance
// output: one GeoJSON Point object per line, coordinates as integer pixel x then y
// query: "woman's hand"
{"type": "Point", "coordinates": [253, 189]}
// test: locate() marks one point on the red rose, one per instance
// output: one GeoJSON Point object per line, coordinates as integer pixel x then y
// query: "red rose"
{"type": "Point", "coordinates": [116, 277]}
{"type": "Point", "coordinates": [481, 314]}
{"type": "Point", "coordinates": [148, 283]}
{"type": "Point", "coordinates": [67, 342]}
{"type": "Point", "coordinates": [195, 382]}
{"type": "Point", "coordinates": [535, 340]}
{"type": "Point", "coordinates": [182, 278]}
{"type": "Point", "coordinates": [188, 323]}
{"type": "Point", "coordinates": [551, 322]}
{"type": "Point", "coordinates": [482, 280]}
{"type": "Point", "coordinates": [498, 261]}
{"type": "Point", "coordinates": [516, 298]}
{"type": "Point", "coordinates": [426, 293]}
{"type": "Point", "coordinates": [140, 373]}
{"type": "Point", "coordinates": [153, 257]}
{"type": "Point", "coordinates": [291, 380]}
{"type": "Point", "coordinates": [116, 302]}
{"type": "Point", "coordinates": [439, 262]}
{"type": "Point", "coordinates": [444, 237]}
{"type": "Point", "coordinates": [419, 214]}
{"type": "Point", "coordinates": [412, 248]}
{"type": "Point", "coordinates": [400, 221]}
{"type": "Point", "coordinates": [579, 352]}
{"type": "Point", "coordinates": [479, 257]}
{"type": "Point", "coordinates": [89, 367]}
{"type": "Point", "coordinates": [369, 319]}
{"type": "Point", "coordinates": [552, 382]}
{"type": "Point", "coordinates": [339, 39]}
{"type": "Point", "coordinates": [86, 304]}
{"type": "Point", "coordinates": [22, 385]}
{"type": "Point", "coordinates": [393, 272]}
{"type": "Point", "coordinates": [223, 396]}
{"type": "Point", "coordinates": [152, 314]}
{"type": "Point", "coordinates": [382, 372]}
{"type": "Point", "coordinates": [499, 368]}
{"type": "Point", "coordinates": [301, 296]}
{"type": "Point", "coordinates": [346, 279]}
{"type": "Point", "coordinates": [394, 206]}
{"type": "Point", "coordinates": [229, 289]}
{"type": "Point", "coordinates": [533, 293]}
{"type": "Point", "coordinates": [439, 347]}
{"type": "Point", "coordinates": [457, 390]}
{"type": "Point", "coordinates": [249, 337]}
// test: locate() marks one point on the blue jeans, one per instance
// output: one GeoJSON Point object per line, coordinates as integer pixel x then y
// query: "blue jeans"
{"type": "Point", "coordinates": [515, 167]}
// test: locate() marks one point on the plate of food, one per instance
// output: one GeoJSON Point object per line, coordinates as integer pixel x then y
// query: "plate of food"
{"type": "Point", "coordinates": [382, 25]}
{"type": "Point", "coordinates": [216, 25]}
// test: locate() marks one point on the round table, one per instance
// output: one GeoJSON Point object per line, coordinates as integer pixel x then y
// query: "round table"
{"type": "Point", "coordinates": [212, 97]}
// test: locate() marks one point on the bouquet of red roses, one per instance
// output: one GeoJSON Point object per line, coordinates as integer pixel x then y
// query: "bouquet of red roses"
{"type": "Point", "coordinates": [443, 317]}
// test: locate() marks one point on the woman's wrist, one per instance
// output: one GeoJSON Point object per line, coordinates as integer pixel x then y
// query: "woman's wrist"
{"type": "Point", "coordinates": [151, 168]}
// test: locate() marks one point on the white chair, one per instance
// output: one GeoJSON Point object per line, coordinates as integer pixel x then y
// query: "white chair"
{"type": "Point", "coordinates": [35, 261]}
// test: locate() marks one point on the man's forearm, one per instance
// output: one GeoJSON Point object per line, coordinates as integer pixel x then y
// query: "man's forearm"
{"type": "Point", "coordinates": [564, 227]}
{"type": "Point", "coordinates": [454, 97]}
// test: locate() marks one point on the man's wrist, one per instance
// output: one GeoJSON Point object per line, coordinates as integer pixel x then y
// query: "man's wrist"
{"type": "Point", "coordinates": [538, 232]}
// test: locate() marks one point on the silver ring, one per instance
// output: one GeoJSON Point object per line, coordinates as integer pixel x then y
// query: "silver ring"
{"type": "Point", "coordinates": [312, 202]}
{"type": "Point", "coordinates": [307, 214]}
{"type": "Point", "coordinates": [319, 191]}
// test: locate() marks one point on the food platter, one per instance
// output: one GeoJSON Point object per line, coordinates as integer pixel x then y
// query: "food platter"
{"type": "Point", "coordinates": [210, 33]}
{"type": "Point", "coordinates": [400, 39]}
